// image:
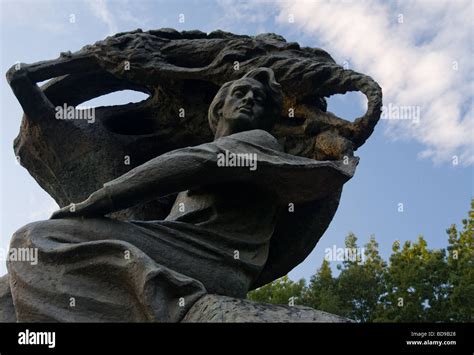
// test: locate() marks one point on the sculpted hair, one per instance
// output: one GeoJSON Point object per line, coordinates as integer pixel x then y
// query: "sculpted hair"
{"type": "Point", "coordinates": [274, 100]}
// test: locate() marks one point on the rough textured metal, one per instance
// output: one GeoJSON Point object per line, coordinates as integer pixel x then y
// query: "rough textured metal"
{"type": "Point", "coordinates": [182, 72]}
{"type": "Point", "coordinates": [7, 309]}
{"type": "Point", "coordinates": [72, 158]}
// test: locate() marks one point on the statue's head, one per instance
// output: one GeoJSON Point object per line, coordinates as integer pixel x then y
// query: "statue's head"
{"type": "Point", "coordinates": [252, 102]}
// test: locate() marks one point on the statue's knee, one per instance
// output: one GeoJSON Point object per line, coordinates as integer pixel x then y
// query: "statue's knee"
{"type": "Point", "coordinates": [23, 251]}
{"type": "Point", "coordinates": [23, 236]}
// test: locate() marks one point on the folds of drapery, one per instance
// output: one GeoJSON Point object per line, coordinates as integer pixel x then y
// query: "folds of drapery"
{"type": "Point", "coordinates": [92, 270]}
{"type": "Point", "coordinates": [97, 269]}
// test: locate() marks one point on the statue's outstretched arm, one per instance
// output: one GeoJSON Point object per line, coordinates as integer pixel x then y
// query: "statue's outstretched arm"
{"type": "Point", "coordinates": [291, 178]}
{"type": "Point", "coordinates": [172, 172]}
{"type": "Point", "coordinates": [23, 79]}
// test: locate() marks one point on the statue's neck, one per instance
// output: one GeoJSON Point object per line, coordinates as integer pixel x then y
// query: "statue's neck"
{"type": "Point", "coordinates": [223, 131]}
{"type": "Point", "coordinates": [228, 128]}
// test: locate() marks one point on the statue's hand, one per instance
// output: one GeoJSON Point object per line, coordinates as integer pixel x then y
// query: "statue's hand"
{"type": "Point", "coordinates": [97, 204]}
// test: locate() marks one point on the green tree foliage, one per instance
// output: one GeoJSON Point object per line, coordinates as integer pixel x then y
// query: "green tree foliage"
{"type": "Point", "coordinates": [360, 283]}
{"type": "Point", "coordinates": [281, 291]}
{"type": "Point", "coordinates": [321, 292]}
{"type": "Point", "coordinates": [418, 284]}
{"type": "Point", "coordinates": [461, 270]}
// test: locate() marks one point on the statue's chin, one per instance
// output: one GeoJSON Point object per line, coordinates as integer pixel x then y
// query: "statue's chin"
{"type": "Point", "coordinates": [242, 117]}
{"type": "Point", "coordinates": [243, 122]}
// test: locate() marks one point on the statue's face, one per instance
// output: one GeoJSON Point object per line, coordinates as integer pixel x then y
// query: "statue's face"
{"type": "Point", "coordinates": [244, 105]}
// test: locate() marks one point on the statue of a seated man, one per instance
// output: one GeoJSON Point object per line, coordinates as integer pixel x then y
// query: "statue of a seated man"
{"type": "Point", "coordinates": [215, 240]}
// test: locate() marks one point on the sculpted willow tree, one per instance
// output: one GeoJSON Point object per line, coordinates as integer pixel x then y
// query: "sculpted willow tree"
{"type": "Point", "coordinates": [153, 240]}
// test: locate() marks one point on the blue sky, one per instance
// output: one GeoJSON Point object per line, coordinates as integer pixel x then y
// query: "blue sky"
{"type": "Point", "coordinates": [410, 48]}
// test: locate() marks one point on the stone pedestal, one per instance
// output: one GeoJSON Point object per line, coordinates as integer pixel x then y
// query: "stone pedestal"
{"type": "Point", "coordinates": [217, 309]}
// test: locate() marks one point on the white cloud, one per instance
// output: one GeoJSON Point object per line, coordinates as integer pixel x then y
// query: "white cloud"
{"type": "Point", "coordinates": [414, 61]}
{"type": "Point", "coordinates": [100, 9]}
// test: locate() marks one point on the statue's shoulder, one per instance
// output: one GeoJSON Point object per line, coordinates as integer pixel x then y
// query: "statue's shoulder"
{"type": "Point", "coordinates": [257, 136]}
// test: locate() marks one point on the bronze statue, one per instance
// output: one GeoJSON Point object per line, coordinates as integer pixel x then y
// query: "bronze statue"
{"type": "Point", "coordinates": [224, 231]}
